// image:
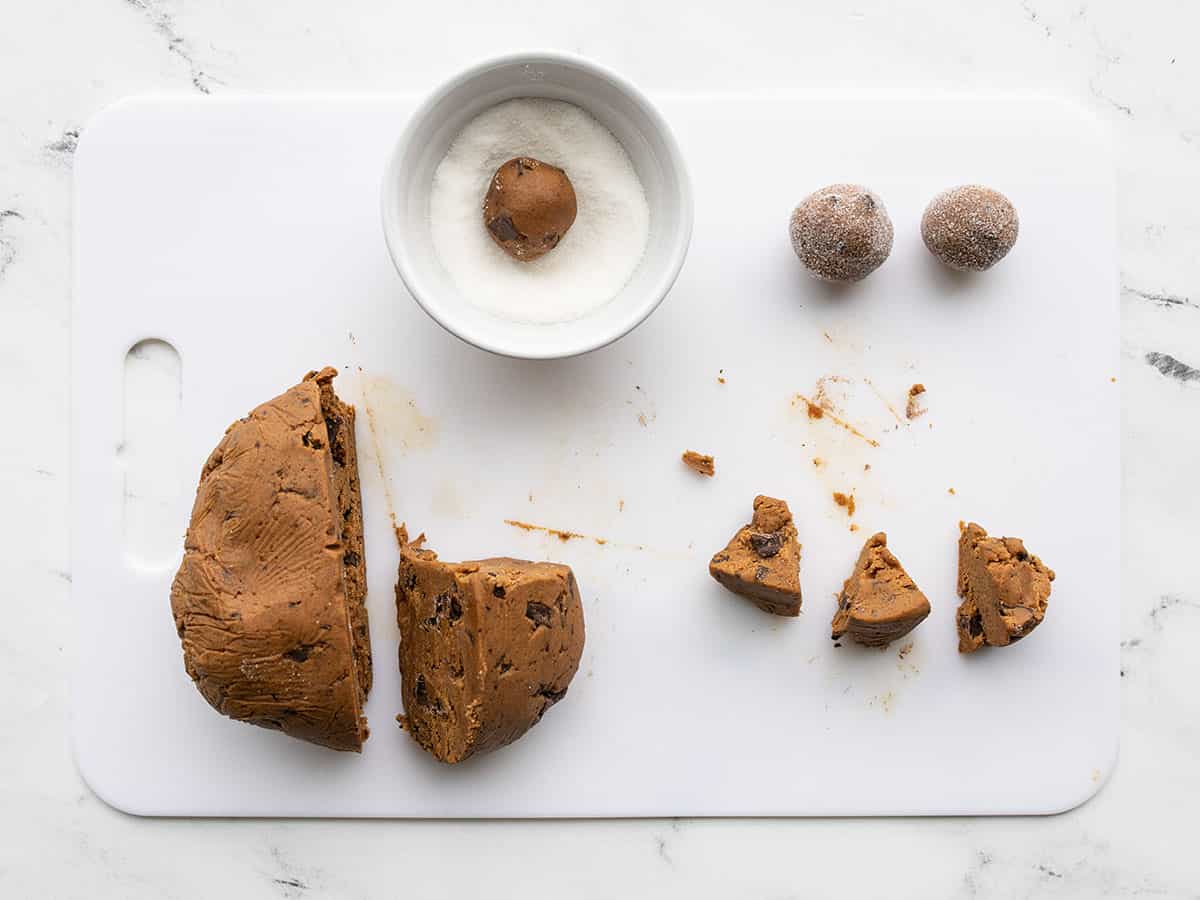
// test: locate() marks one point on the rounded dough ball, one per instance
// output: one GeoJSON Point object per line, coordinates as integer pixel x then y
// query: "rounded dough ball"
{"type": "Point", "coordinates": [841, 232]}
{"type": "Point", "coordinates": [970, 228]}
{"type": "Point", "coordinates": [529, 207]}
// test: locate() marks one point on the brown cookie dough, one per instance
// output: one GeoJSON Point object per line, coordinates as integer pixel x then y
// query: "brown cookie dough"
{"type": "Point", "coordinates": [269, 598]}
{"type": "Point", "coordinates": [913, 408]}
{"type": "Point", "coordinates": [698, 462]}
{"type": "Point", "coordinates": [1004, 590]}
{"type": "Point", "coordinates": [841, 232]}
{"type": "Point", "coordinates": [970, 228]}
{"type": "Point", "coordinates": [762, 562]}
{"type": "Point", "coordinates": [879, 602]}
{"type": "Point", "coordinates": [486, 647]}
{"type": "Point", "coordinates": [529, 206]}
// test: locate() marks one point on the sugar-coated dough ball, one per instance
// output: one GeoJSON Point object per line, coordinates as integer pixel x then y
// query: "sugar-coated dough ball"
{"type": "Point", "coordinates": [529, 207]}
{"type": "Point", "coordinates": [841, 232]}
{"type": "Point", "coordinates": [970, 227]}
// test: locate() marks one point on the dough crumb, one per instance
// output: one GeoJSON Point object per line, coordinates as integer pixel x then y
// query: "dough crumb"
{"type": "Point", "coordinates": [699, 462]}
{"type": "Point", "coordinates": [913, 408]}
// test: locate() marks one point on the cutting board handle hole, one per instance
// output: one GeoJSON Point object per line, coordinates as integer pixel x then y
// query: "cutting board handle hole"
{"type": "Point", "coordinates": [149, 455]}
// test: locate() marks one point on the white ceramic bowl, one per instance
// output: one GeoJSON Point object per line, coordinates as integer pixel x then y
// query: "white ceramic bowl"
{"type": "Point", "coordinates": [617, 104]}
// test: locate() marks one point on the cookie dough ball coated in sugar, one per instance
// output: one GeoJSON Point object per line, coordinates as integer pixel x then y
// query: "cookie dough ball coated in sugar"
{"type": "Point", "coordinates": [970, 228]}
{"type": "Point", "coordinates": [841, 233]}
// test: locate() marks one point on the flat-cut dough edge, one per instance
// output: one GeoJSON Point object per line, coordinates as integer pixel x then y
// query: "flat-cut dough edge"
{"type": "Point", "coordinates": [492, 720]}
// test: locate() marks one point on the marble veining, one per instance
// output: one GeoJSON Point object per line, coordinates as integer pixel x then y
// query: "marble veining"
{"type": "Point", "coordinates": [1162, 298]}
{"type": "Point", "coordinates": [163, 22]}
{"type": "Point", "coordinates": [1162, 612]}
{"type": "Point", "coordinates": [8, 247]}
{"type": "Point", "coordinates": [287, 877]}
{"type": "Point", "coordinates": [1100, 94]}
{"type": "Point", "coordinates": [64, 146]}
{"type": "Point", "coordinates": [1133, 64]}
{"type": "Point", "coordinates": [1171, 367]}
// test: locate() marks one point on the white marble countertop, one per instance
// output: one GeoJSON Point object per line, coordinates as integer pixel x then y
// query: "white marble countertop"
{"type": "Point", "coordinates": [1134, 64]}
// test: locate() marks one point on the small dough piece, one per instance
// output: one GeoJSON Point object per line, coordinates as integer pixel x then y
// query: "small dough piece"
{"type": "Point", "coordinates": [879, 602]}
{"type": "Point", "coordinates": [762, 562]}
{"type": "Point", "coordinates": [529, 206]}
{"type": "Point", "coordinates": [486, 647]}
{"type": "Point", "coordinates": [700, 463]}
{"type": "Point", "coordinates": [1004, 590]}
{"type": "Point", "coordinates": [913, 408]}
{"type": "Point", "coordinates": [269, 599]}
{"type": "Point", "coordinates": [970, 228]}
{"type": "Point", "coordinates": [842, 233]}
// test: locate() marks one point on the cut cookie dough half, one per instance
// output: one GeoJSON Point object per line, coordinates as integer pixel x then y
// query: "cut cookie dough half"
{"type": "Point", "coordinates": [269, 599]}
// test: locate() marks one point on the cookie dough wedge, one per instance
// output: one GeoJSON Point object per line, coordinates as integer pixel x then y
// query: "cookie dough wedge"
{"type": "Point", "coordinates": [762, 561]}
{"type": "Point", "coordinates": [1004, 589]}
{"type": "Point", "coordinates": [269, 599]}
{"type": "Point", "coordinates": [879, 602]}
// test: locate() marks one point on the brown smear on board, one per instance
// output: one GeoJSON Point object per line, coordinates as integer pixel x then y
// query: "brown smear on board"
{"type": "Point", "coordinates": [395, 420]}
{"type": "Point", "coordinates": [377, 446]}
{"type": "Point", "coordinates": [884, 400]}
{"type": "Point", "coordinates": [821, 397]}
{"type": "Point", "coordinates": [559, 533]}
{"type": "Point", "coordinates": [816, 412]}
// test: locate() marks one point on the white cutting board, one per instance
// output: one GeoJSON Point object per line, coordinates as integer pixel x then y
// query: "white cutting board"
{"type": "Point", "coordinates": [245, 232]}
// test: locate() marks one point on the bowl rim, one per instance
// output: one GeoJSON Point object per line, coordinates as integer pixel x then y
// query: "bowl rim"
{"type": "Point", "coordinates": [401, 257]}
